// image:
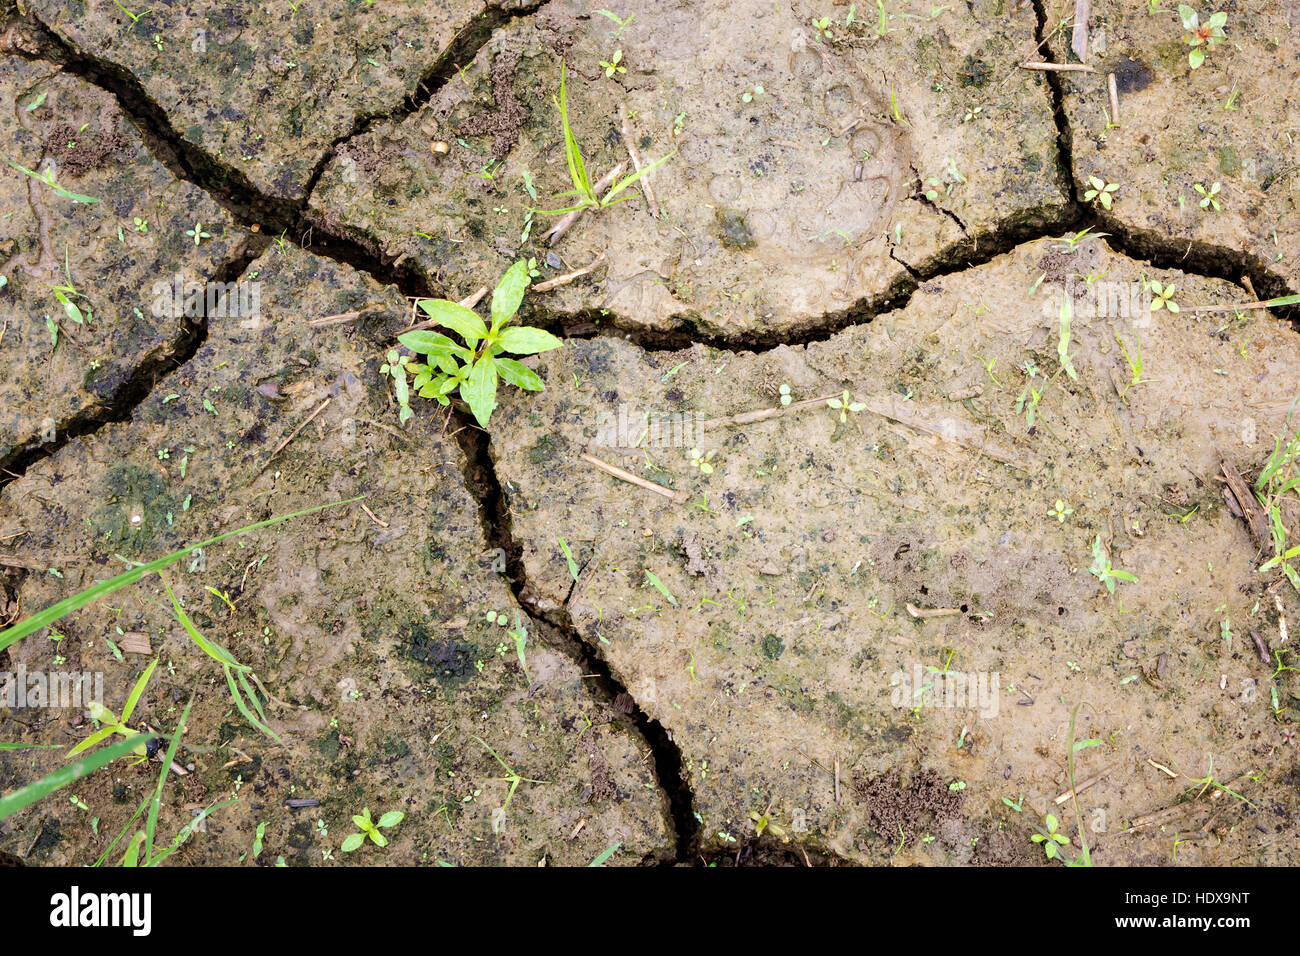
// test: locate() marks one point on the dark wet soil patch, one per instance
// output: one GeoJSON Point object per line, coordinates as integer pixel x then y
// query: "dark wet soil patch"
{"type": "Point", "coordinates": [896, 808]}
{"type": "Point", "coordinates": [505, 121]}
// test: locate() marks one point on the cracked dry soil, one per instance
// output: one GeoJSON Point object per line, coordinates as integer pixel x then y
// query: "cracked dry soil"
{"type": "Point", "coordinates": [854, 637]}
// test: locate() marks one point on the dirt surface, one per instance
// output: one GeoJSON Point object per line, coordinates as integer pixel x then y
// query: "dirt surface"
{"type": "Point", "coordinates": [868, 409]}
{"type": "Point", "coordinates": [1232, 122]}
{"type": "Point", "coordinates": [371, 630]}
{"type": "Point", "coordinates": [266, 91]}
{"type": "Point", "coordinates": [792, 564]}
{"type": "Point", "coordinates": [104, 257]}
{"type": "Point", "coordinates": [794, 190]}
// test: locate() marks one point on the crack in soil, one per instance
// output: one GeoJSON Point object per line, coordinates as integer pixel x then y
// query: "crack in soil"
{"type": "Point", "coordinates": [481, 478]}
{"type": "Point", "coordinates": [272, 216]}
{"type": "Point", "coordinates": [155, 366]}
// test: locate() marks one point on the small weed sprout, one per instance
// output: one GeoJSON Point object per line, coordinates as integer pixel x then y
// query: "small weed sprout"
{"type": "Point", "coordinates": [845, 404]}
{"type": "Point", "coordinates": [583, 187]}
{"type": "Point", "coordinates": [1103, 570]}
{"type": "Point", "coordinates": [1100, 191]}
{"type": "Point", "coordinates": [370, 828]}
{"type": "Point", "coordinates": [1278, 484]}
{"type": "Point", "coordinates": [1201, 36]}
{"type": "Point", "coordinates": [1162, 296]}
{"type": "Point", "coordinates": [1060, 510]}
{"type": "Point", "coordinates": [474, 368]}
{"type": "Point", "coordinates": [614, 65]}
{"type": "Point", "coordinates": [1209, 197]}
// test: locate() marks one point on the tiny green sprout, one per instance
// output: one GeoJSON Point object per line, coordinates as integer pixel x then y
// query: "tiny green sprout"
{"type": "Point", "coordinates": [197, 233]}
{"type": "Point", "coordinates": [475, 367]}
{"type": "Point", "coordinates": [1051, 838]}
{"type": "Point", "coordinates": [754, 91]}
{"type": "Point", "coordinates": [1060, 510]}
{"type": "Point", "coordinates": [370, 828]}
{"type": "Point", "coordinates": [784, 392]}
{"type": "Point", "coordinates": [1201, 36]}
{"type": "Point", "coordinates": [702, 462]}
{"type": "Point", "coordinates": [141, 225]}
{"type": "Point", "coordinates": [1162, 297]}
{"type": "Point", "coordinates": [1209, 197]}
{"type": "Point", "coordinates": [1101, 191]}
{"type": "Point", "coordinates": [823, 25]}
{"type": "Point", "coordinates": [618, 21]}
{"type": "Point", "coordinates": [845, 404]}
{"type": "Point", "coordinates": [614, 64]}
{"type": "Point", "coordinates": [396, 367]}
{"type": "Point", "coordinates": [1103, 570]}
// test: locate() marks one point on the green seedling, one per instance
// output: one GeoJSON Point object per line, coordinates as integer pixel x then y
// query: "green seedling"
{"type": "Point", "coordinates": [135, 17]}
{"type": "Point", "coordinates": [603, 857]}
{"type": "Point", "coordinates": [1060, 510]}
{"type": "Point", "coordinates": [474, 368]}
{"type": "Point", "coordinates": [823, 25]}
{"type": "Point", "coordinates": [237, 674]}
{"type": "Point", "coordinates": [370, 828]}
{"type": "Point", "coordinates": [511, 777]}
{"type": "Point", "coordinates": [1063, 340]}
{"type": "Point", "coordinates": [520, 635]}
{"type": "Point", "coordinates": [613, 65]}
{"type": "Point", "coordinates": [110, 725]}
{"type": "Point", "coordinates": [568, 556]}
{"type": "Point", "coordinates": [1134, 360]}
{"type": "Point", "coordinates": [395, 367]}
{"type": "Point", "coordinates": [48, 180]}
{"type": "Point", "coordinates": [1071, 242]}
{"type": "Point", "coordinates": [1051, 840]}
{"type": "Point", "coordinates": [845, 404]}
{"type": "Point", "coordinates": [1162, 296]}
{"type": "Point", "coordinates": [620, 23]}
{"type": "Point", "coordinates": [1201, 36]}
{"type": "Point", "coordinates": [653, 580]}
{"type": "Point", "coordinates": [1103, 570]}
{"type": "Point", "coordinates": [704, 462]}
{"type": "Point", "coordinates": [197, 233]}
{"type": "Point", "coordinates": [1100, 191]}
{"type": "Point", "coordinates": [1278, 484]}
{"type": "Point", "coordinates": [583, 187]}
{"type": "Point", "coordinates": [1209, 197]}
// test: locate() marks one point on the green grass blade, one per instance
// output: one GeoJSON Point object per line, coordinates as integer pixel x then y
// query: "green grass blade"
{"type": "Point", "coordinates": [184, 833]}
{"type": "Point", "coordinates": [8, 746]}
{"type": "Point", "coordinates": [151, 825]}
{"type": "Point", "coordinates": [137, 691]}
{"type": "Point", "coordinates": [622, 184]}
{"type": "Point", "coordinates": [243, 707]}
{"type": "Point", "coordinates": [212, 649]}
{"type": "Point", "coordinates": [102, 589]}
{"type": "Point", "coordinates": [605, 855]}
{"type": "Point", "coordinates": [11, 803]}
{"type": "Point", "coordinates": [248, 692]}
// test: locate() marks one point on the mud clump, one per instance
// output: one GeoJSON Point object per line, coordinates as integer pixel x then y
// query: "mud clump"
{"type": "Point", "coordinates": [733, 230]}
{"type": "Point", "coordinates": [892, 806]}
{"type": "Point", "coordinates": [79, 151]}
{"type": "Point", "coordinates": [505, 122]}
{"type": "Point", "coordinates": [1132, 76]}
{"type": "Point", "coordinates": [451, 662]}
